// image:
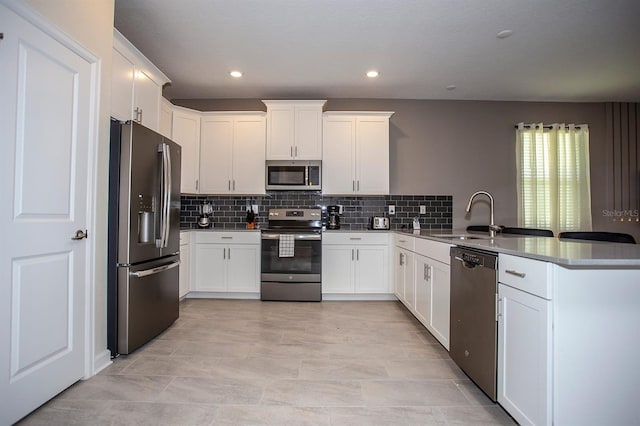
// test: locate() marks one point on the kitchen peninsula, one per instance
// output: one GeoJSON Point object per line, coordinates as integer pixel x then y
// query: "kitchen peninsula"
{"type": "Point", "coordinates": [568, 315]}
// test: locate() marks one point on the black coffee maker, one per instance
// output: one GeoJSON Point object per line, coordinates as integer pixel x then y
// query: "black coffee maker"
{"type": "Point", "coordinates": [333, 217]}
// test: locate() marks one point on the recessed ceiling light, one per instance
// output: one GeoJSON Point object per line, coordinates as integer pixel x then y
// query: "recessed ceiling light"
{"type": "Point", "coordinates": [504, 34]}
{"type": "Point", "coordinates": [235, 74]}
{"type": "Point", "coordinates": [372, 74]}
{"type": "Point", "coordinates": [451, 87]}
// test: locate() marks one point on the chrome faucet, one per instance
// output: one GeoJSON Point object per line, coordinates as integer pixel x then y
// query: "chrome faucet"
{"type": "Point", "coordinates": [493, 228]}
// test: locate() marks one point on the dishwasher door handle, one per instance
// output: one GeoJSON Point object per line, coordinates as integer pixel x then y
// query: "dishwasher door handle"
{"type": "Point", "coordinates": [466, 264]}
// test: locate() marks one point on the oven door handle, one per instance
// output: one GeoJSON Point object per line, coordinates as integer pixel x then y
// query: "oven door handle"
{"type": "Point", "coordinates": [306, 237]}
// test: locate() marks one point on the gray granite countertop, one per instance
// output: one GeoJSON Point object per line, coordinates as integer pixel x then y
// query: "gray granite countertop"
{"type": "Point", "coordinates": [571, 254]}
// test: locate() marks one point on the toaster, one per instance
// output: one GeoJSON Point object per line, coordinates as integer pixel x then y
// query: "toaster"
{"type": "Point", "coordinates": [379, 222]}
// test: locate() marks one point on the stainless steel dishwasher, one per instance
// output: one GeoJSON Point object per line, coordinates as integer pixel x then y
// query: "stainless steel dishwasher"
{"type": "Point", "coordinates": [474, 327]}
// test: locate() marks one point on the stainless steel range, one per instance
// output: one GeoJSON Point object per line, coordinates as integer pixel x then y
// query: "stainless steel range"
{"type": "Point", "coordinates": [291, 256]}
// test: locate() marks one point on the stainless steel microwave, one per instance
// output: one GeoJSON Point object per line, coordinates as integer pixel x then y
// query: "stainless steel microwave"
{"type": "Point", "coordinates": [294, 175]}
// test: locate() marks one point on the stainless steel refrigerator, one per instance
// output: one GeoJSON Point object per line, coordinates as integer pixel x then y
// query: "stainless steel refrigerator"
{"type": "Point", "coordinates": [144, 236]}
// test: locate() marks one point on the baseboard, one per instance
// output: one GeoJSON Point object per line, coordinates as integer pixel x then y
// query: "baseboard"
{"type": "Point", "coordinates": [356, 297]}
{"type": "Point", "coordinates": [102, 361]}
{"type": "Point", "coordinates": [215, 295]}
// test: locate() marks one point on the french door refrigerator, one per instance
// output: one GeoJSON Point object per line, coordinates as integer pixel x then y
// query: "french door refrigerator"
{"type": "Point", "coordinates": [144, 236]}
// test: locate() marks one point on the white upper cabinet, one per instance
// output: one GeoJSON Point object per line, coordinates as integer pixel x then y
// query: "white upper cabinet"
{"type": "Point", "coordinates": [136, 85]}
{"type": "Point", "coordinates": [232, 153]}
{"type": "Point", "coordinates": [294, 130]}
{"type": "Point", "coordinates": [185, 130]}
{"type": "Point", "coordinates": [166, 118]}
{"type": "Point", "coordinates": [355, 153]}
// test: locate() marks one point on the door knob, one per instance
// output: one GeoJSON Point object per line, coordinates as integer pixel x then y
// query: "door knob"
{"type": "Point", "coordinates": [80, 234]}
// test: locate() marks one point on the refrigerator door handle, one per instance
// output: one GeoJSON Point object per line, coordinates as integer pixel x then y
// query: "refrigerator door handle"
{"type": "Point", "coordinates": [165, 192]}
{"type": "Point", "coordinates": [167, 196]}
{"type": "Point", "coordinates": [155, 270]}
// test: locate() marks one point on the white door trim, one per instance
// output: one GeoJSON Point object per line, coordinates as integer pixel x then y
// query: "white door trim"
{"type": "Point", "coordinates": [32, 16]}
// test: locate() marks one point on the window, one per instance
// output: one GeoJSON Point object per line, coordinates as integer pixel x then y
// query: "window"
{"type": "Point", "coordinates": [554, 190]}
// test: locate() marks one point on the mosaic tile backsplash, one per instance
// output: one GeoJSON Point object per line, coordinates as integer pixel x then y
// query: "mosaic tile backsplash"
{"type": "Point", "coordinates": [231, 212]}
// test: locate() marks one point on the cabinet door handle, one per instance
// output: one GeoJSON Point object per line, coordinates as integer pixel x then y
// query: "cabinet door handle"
{"type": "Point", "coordinates": [355, 238]}
{"type": "Point", "coordinates": [229, 253]}
{"type": "Point", "coordinates": [229, 184]}
{"type": "Point", "coordinates": [353, 185]}
{"type": "Point", "coordinates": [358, 255]}
{"type": "Point", "coordinates": [296, 151]}
{"type": "Point", "coordinates": [425, 273]}
{"type": "Point", "coordinates": [234, 184]}
{"type": "Point", "coordinates": [224, 253]}
{"type": "Point", "coordinates": [227, 238]}
{"type": "Point", "coordinates": [197, 182]}
{"type": "Point", "coordinates": [401, 257]}
{"type": "Point", "coordinates": [358, 185]}
{"type": "Point", "coordinates": [291, 151]}
{"type": "Point", "coordinates": [516, 273]}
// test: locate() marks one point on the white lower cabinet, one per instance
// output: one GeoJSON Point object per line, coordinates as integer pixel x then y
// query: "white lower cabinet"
{"type": "Point", "coordinates": [185, 264]}
{"type": "Point", "coordinates": [433, 296]}
{"type": "Point", "coordinates": [422, 282]}
{"type": "Point", "coordinates": [355, 263]}
{"type": "Point", "coordinates": [404, 282]}
{"type": "Point", "coordinates": [524, 356]}
{"type": "Point", "coordinates": [227, 262]}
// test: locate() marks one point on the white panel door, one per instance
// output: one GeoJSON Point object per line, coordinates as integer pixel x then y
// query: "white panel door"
{"type": "Point", "coordinates": [422, 278]}
{"type": "Point", "coordinates": [524, 356]}
{"type": "Point", "coordinates": [146, 97]}
{"type": "Point", "coordinates": [249, 155]}
{"type": "Point", "coordinates": [216, 158]}
{"type": "Point", "coordinates": [185, 130]}
{"type": "Point", "coordinates": [280, 130]}
{"type": "Point", "coordinates": [338, 150]}
{"type": "Point", "coordinates": [122, 71]}
{"type": "Point", "coordinates": [48, 93]}
{"type": "Point", "coordinates": [210, 262]}
{"type": "Point", "coordinates": [440, 301]}
{"type": "Point", "coordinates": [243, 268]}
{"type": "Point", "coordinates": [308, 133]}
{"type": "Point", "coordinates": [372, 273]}
{"type": "Point", "coordinates": [372, 154]}
{"type": "Point", "coordinates": [166, 116]}
{"type": "Point", "coordinates": [337, 269]}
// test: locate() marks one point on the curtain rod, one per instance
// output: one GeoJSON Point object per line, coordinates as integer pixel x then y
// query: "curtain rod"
{"type": "Point", "coordinates": [528, 126]}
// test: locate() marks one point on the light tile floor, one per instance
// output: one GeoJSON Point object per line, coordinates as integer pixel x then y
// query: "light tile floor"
{"type": "Point", "coordinates": [232, 362]}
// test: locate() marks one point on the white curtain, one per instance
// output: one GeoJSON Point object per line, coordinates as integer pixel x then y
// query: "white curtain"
{"type": "Point", "coordinates": [554, 190]}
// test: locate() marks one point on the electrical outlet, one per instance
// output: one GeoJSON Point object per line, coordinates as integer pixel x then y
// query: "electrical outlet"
{"type": "Point", "coordinates": [423, 209]}
{"type": "Point", "coordinates": [392, 209]}
{"type": "Point", "coordinates": [255, 208]}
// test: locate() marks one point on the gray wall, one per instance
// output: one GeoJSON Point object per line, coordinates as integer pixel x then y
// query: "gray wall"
{"type": "Point", "coordinates": [458, 147]}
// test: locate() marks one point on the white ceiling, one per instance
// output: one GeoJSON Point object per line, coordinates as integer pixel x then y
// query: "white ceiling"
{"type": "Point", "coordinates": [560, 50]}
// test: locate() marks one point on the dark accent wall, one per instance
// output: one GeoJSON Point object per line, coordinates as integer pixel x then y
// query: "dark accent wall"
{"type": "Point", "coordinates": [231, 212]}
{"type": "Point", "coordinates": [458, 147]}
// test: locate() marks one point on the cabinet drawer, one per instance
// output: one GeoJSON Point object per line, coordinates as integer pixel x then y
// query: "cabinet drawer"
{"type": "Point", "coordinates": [532, 276]}
{"type": "Point", "coordinates": [185, 237]}
{"type": "Point", "coordinates": [355, 238]}
{"type": "Point", "coordinates": [433, 249]}
{"type": "Point", "coordinates": [227, 237]}
{"type": "Point", "coordinates": [404, 241]}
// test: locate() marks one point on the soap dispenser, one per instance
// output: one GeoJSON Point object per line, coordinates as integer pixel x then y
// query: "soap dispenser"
{"type": "Point", "coordinates": [416, 224]}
